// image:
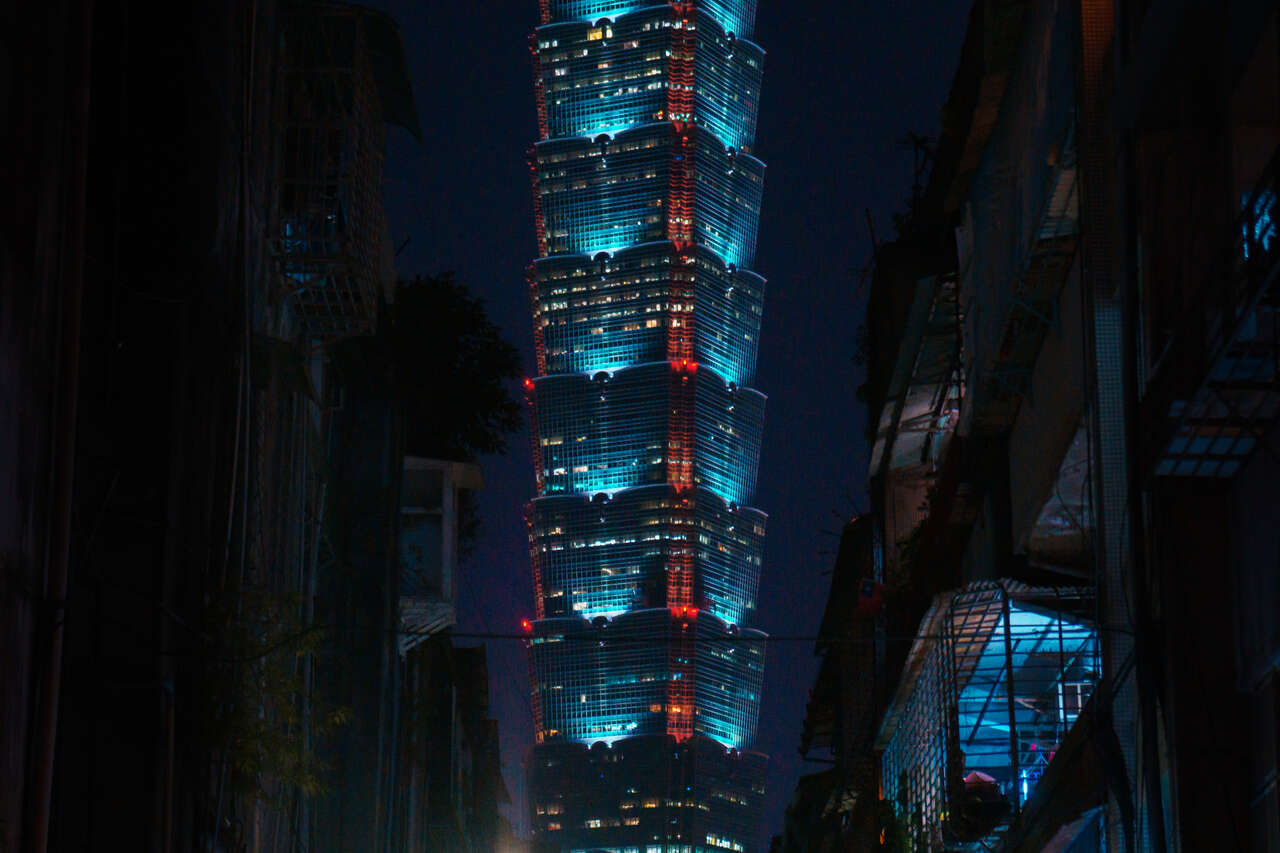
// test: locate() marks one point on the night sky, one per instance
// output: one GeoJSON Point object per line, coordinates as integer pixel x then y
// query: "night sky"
{"type": "Point", "coordinates": [844, 81]}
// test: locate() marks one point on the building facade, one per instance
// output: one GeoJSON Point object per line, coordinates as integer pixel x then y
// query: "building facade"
{"type": "Point", "coordinates": [1072, 400]}
{"type": "Point", "coordinates": [195, 669]}
{"type": "Point", "coordinates": [646, 431]}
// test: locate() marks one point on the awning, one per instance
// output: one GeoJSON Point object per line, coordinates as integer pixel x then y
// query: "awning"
{"type": "Point", "coordinates": [1077, 836]}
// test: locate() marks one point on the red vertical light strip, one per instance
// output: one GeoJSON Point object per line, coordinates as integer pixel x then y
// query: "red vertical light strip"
{"type": "Point", "coordinates": [544, 11]}
{"type": "Point", "coordinates": [680, 191]}
{"type": "Point", "coordinates": [681, 535]}
{"type": "Point", "coordinates": [539, 339]}
{"type": "Point", "coordinates": [681, 642]}
{"type": "Point", "coordinates": [535, 696]}
{"type": "Point", "coordinates": [539, 472]}
{"type": "Point", "coordinates": [680, 563]}
{"type": "Point", "coordinates": [680, 70]}
{"type": "Point", "coordinates": [535, 558]}
{"type": "Point", "coordinates": [539, 86]}
{"type": "Point", "coordinates": [538, 220]}
{"type": "Point", "coordinates": [680, 425]}
{"type": "Point", "coordinates": [680, 310]}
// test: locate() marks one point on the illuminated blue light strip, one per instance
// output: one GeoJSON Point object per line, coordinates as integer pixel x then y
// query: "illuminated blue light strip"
{"type": "Point", "coordinates": [600, 557]}
{"type": "Point", "coordinates": [606, 313]}
{"type": "Point", "coordinates": [595, 196]}
{"type": "Point", "coordinates": [733, 16]}
{"type": "Point", "coordinates": [600, 683]}
{"type": "Point", "coordinates": [602, 434]}
{"type": "Point", "coordinates": [602, 80]}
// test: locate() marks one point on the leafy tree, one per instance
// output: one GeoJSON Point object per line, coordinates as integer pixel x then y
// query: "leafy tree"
{"type": "Point", "coordinates": [452, 370]}
{"type": "Point", "coordinates": [443, 360]}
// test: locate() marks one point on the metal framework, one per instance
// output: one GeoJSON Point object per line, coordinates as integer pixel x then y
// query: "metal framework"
{"type": "Point", "coordinates": [329, 220]}
{"type": "Point", "coordinates": [1010, 286]}
{"type": "Point", "coordinates": [997, 677]}
{"type": "Point", "coordinates": [926, 389]}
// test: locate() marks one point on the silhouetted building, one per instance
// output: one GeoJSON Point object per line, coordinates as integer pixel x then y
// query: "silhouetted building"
{"type": "Point", "coordinates": [229, 622]}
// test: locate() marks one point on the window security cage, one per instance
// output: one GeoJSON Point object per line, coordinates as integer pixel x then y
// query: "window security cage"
{"type": "Point", "coordinates": [998, 675]}
{"type": "Point", "coordinates": [330, 255]}
{"type": "Point", "coordinates": [1230, 348]}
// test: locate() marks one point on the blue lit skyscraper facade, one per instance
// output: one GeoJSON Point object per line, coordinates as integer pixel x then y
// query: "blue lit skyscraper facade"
{"type": "Point", "coordinates": [646, 431]}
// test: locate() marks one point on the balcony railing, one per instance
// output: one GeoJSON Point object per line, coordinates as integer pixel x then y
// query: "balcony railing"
{"type": "Point", "coordinates": [1214, 395]}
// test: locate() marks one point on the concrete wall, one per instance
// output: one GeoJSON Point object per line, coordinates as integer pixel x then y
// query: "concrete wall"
{"type": "Point", "coordinates": [1050, 413]}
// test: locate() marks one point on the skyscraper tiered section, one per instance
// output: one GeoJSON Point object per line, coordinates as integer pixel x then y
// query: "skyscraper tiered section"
{"type": "Point", "coordinates": [646, 431]}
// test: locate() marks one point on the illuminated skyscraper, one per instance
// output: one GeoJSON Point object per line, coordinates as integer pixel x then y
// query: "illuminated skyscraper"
{"type": "Point", "coordinates": [646, 553]}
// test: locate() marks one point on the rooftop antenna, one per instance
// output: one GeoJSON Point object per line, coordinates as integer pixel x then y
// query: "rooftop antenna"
{"type": "Point", "coordinates": [921, 159]}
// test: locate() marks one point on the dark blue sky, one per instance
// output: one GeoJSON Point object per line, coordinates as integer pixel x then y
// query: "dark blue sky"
{"type": "Point", "coordinates": [843, 82]}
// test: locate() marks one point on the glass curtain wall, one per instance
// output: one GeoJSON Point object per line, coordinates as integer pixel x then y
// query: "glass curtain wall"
{"type": "Point", "coordinates": [646, 549]}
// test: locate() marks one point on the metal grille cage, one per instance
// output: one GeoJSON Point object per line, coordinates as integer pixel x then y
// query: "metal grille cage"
{"type": "Point", "coordinates": [329, 215]}
{"type": "Point", "coordinates": [997, 677]}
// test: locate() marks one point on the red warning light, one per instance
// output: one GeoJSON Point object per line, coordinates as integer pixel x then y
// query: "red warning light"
{"type": "Point", "coordinates": [528, 383]}
{"type": "Point", "coordinates": [526, 625]}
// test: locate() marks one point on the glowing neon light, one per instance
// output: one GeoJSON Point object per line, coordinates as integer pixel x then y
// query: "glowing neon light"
{"type": "Point", "coordinates": [645, 430]}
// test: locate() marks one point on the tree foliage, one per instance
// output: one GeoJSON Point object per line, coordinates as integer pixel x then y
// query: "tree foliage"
{"type": "Point", "coordinates": [452, 370]}
{"type": "Point", "coordinates": [446, 364]}
{"type": "Point", "coordinates": [261, 728]}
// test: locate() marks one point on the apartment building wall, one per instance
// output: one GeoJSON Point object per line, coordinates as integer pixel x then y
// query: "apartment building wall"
{"type": "Point", "coordinates": [1050, 415]}
{"type": "Point", "coordinates": [138, 254]}
{"type": "Point", "coordinates": [1198, 147]}
{"type": "Point", "coordinates": [1074, 460]}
